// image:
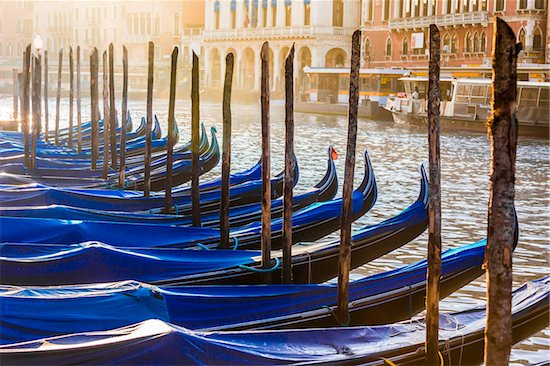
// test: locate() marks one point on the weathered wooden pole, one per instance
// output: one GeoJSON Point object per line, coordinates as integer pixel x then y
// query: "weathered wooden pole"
{"type": "Point", "coordinates": [226, 154]}
{"type": "Point", "coordinates": [34, 109]}
{"type": "Point", "coordinates": [46, 106]}
{"type": "Point", "coordinates": [171, 137]}
{"type": "Point", "coordinates": [58, 96]}
{"type": "Point", "coordinates": [36, 106]}
{"type": "Point", "coordinates": [345, 231]}
{"type": "Point", "coordinates": [78, 102]}
{"type": "Point", "coordinates": [266, 159]}
{"type": "Point", "coordinates": [71, 96]}
{"type": "Point", "coordinates": [122, 166]}
{"type": "Point", "coordinates": [15, 95]}
{"type": "Point", "coordinates": [26, 102]}
{"type": "Point", "coordinates": [106, 113]}
{"type": "Point", "coordinates": [147, 152]}
{"type": "Point", "coordinates": [288, 182]}
{"type": "Point", "coordinates": [94, 66]}
{"type": "Point", "coordinates": [503, 131]}
{"type": "Point", "coordinates": [195, 115]}
{"type": "Point", "coordinates": [112, 114]}
{"type": "Point", "coordinates": [434, 208]}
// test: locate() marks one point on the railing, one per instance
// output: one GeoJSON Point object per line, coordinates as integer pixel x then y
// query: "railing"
{"type": "Point", "coordinates": [276, 32]}
{"type": "Point", "coordinates": [478, 17]}
{"type": "Point", "coordinates": [136, 38]}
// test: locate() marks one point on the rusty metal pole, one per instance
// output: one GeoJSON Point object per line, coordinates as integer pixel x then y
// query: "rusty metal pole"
{"type": "Point", "coordinates": [345, 232]}
{"type": "Point", "coordinates": [15, 95]}
{"type": "Point", "coordinates": [195, 115]}
{"type": "Point", "coordinates": [46, 106]}
{"type": "Point", "coordinates": [503, 131]}
{"type": "Point", "coordinates": [106, 113]}
{"type": "Point", "coordinates": [58, 96]}
{"type": "Point", "coordinates": [434, 210]}
{"type": "Point", "coordinates": [266, 159]}
{"type": "Point", "coordinates": [112, 114]}
{"type": "Point", "coordinates": [26, 102]}
{"type": "Point", "coordinates": [289, 167]}
{"type": "Point", "coordinates": [226, 154]}
{"type": "Point", "coordinates": [171, 137]}
{"type": "Point", "coordinates": [147, 152]}
{"type": "Point", "coordinates": [122, 166]}
{"type": "Point", "coordinates": [94, 66]}
{"type": "Point", "coordinates": [71, 96]}
{"type": "Point", "coordinates": [78, 102]}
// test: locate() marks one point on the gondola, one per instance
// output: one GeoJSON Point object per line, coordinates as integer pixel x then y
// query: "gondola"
{"type": "Point", "coordinates": [39, 264]}
{"type": "Point", "coordinates": [36, 312]}
{"type": "Point", "coordinates": [154, 341]}
{"type": "Point", "coordinates": [309, 224]}
{"type": "Point", "coordinates": [238, 214]}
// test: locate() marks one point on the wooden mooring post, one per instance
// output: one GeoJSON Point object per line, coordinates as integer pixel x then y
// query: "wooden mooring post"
{"type": "Point", "coordinates": [149, 122]}
{"type": "Point", "coordinates": [226, 154]}
{"type": "Point", "coordinates": [112, 108]}
{"type": "Point", "coordinates": [106, 113]}
{"type": "Point", "coordinates": [46, 106]}
{"type": "Point", "coordinates": [15, 94]}
{"type": "Point", "coordinates": [94, 66]}
{"type": "Point", "coordinates": [58, 96]}
{"type": "Point", "coordinates": [434, 206]}
{"type": "Point", "coordinates": [26, 102]}
{"type": "Point", "coordinates": [503, 132]}
{"type": "Point", "coordinates": [266, 158]}
{"type": "Point", "coordinates": [71, 97]}
{"type": "Point", "coordinates": [78, 103]}
{"type": "Point", "coordinates": [345, 226]}
{"type": "Point", "coordinates": [288, 182]}
{"type": "Point", "coordinates": [170, 142]}
{"type": "Point", "coordinates": [195, 128]}
{"type": "Point", "coordinates": [122, 166]}
{"type": "Point", "coordinates": [36, 106]}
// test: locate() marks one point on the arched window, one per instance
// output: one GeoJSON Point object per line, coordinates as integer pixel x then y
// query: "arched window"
{"type": "Point", "coordinates": [388, 47]}
{"type": "Point", "coordinates": [454, 44]}
{"type": "Point", "coordinates": [338, 13]}
{"type": "Point", "coordinates": [233, 11]}
{"type": "Point", "coordinates": [476, 42]}
{"type": "Point", "coordinates": [537, 40]}
{"type": "Point", "coordinates": [288, 13]}
{"type": "Point", "coordinates": [447, 42]}
{"type": "Point", "coordinates": [307, 12]}
{"type": "Point", "coordinates": [468, 43]}
{"type": "Point", "coordinates": [405, 47]}
{"type": "Point", "coordinates": [521, 37]}
{"type": "Point", "coordinates": [176, 24]}
{"type": "Point", "coordinates": [483, 41]}
{"type": "Point", "coordinates": [217, 14]}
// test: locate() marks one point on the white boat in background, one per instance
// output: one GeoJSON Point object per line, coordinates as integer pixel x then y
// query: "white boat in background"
{"type": "Point", "coordinates": [466, 104]}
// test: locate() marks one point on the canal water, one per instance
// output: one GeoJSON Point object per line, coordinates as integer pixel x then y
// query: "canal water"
{"type": "Point", "coordinates": [396, 152]}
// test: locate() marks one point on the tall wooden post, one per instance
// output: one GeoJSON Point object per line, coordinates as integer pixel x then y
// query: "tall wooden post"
{"type": "Point", "coordinates": [434, 211]}
{"type": "Point", "coordinates": [78, 101]}
{"type": "Point", "coordinates": [58, 96]}
{"type": "Point", "coordinates": [122, 171]}
{"type": "Point", "coordinates": [36, 106]}
{"type": "Point", "coordinates": [226, 154]}
{"type": "Point", "coordinates": [171, 137]}
{"type": "Point", "coordinates": [94, 66]}
{"type": "Point", "coordinates": [106, 124]}
{"type": "Point", "coordinates": [195, 200]}
{"type": "Point", "coordinates": [147, 156]}
{"type": "Point", "coordinates": [71, 96]}
{"type": "Point", "coordinates": [46, 106]}
{"type": "Point", "coordinates": [289, 167]}
{"type": "Point", "coordinates": [345, 231]}
{"type": "Point", "coordinates": [15, 95]}
{"type": "Point", "coordinates": [503, 131]}
{"type": "Point", "coordinates": [26, 102]}
{"type": "Point", "coordinates": [112, 114]}
{"type": "Point", "coordinates": [266, 159]}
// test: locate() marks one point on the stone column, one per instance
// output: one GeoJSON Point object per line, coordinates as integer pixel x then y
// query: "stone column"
{"type": "Point", "coordinates": [240, 14]}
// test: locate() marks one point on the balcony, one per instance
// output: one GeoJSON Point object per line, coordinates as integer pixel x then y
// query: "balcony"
{"type": "Point", "coordinates": [136, 38]}
{"type": "Point", "coordinates": [275, 32]}
{"type": "Point", "coordinates": [446, 20]}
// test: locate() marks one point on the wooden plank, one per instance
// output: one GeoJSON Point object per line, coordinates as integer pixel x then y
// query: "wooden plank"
{"type": "Point", "coordinates": [434, 208]}
{"type": "Point", "coordinates": [501, 230]}
{"type": "Point", "coordinates": [122, 167]}
{"type": "Point", "coordinates": [94, 66]}
{"type": "Point", "coordinates": [195, 199]}
{"type": "Point", "coordinates": [345, 231]}
{"type": "Point", "coordinates": [171, 138]}
{"type": "Point", "coordinates": [106, 114]}
{"type": "Point", "coordinates": [266, 159]}
{"type": "Point", "coordinates": [112, 105]}
{"type": "Point", "coordinates": [149, 123]}
{"type": "Point", "coordinates": [58, 96]}
{"type": "Point", "coordinates": [71, 96]}
{"type": "Point", "coordinates": [226, 154]}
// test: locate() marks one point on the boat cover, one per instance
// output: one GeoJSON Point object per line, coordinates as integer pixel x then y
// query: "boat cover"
{"type": "Point", "coordinates": [157, 342]}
